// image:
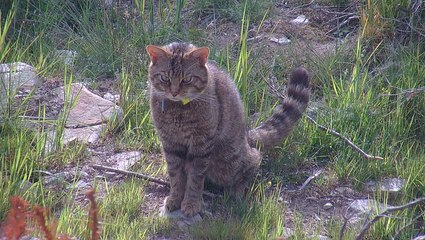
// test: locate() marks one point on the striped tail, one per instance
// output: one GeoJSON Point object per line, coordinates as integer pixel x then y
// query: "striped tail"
{"type": "Point", "coordinates": [278, 126]}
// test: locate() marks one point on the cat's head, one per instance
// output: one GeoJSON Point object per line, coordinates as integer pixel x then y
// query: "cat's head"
{"type": "Point", "coordinates": [178, 71]}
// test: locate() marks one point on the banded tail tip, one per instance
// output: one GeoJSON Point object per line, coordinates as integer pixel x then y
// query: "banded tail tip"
{"type": "Point", "coordinates": [299, 76]}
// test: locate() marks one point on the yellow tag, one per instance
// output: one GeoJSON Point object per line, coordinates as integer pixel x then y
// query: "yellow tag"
{"type": "Point", "coordinates": [185, 100]}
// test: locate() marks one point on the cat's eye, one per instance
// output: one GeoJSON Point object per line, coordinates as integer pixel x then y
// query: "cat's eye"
{"type": "Point", "coordinates": [164, 79]}
{"type": "Point", "coordinates": [187, 80]}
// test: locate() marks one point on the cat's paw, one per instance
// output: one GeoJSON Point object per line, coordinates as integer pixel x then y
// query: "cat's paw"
{"type": "Point", "coordinates": [172, 204]}
{"type": "Point", "coordinates": [191, 208]}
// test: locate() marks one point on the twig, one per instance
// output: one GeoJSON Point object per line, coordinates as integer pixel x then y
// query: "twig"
{"type": "Point", "coordinates": [259, 37]}
{"type": "Point", "coordinates": [407, 24]}
{"type": "Point", "coordinates": [409, 93]}
{"type": "Point", "coordinates": [309, 179]}
{"type": "Point", "coordinates": [407, 225]}
{"type": "Point", "coordinates": [347, 218]}
{"type": "Point", "coordinates": [345, 22]}
{"type": "Point", "coordinates": [385, 213]}
{"type": "Point", "coordinates": [133, 174]}
{"type": "Point", "coordinates": [346, 140]}
{"type": "Point", "coordinates": [36, 118]}
{"type": "Point", "coordinates": [146, 177]}
{"type": "Point", "coordinates": [304, 5]}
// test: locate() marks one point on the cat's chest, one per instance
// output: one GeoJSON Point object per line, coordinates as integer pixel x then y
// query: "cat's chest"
{"type": "Point", "coordinates": [187, 121]}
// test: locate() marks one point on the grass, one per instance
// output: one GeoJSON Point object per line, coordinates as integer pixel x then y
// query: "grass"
{"type": "Point", "coordinates": [363, 93]}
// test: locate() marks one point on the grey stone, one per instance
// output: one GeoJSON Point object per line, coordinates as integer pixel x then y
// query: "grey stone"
{"type": "Point", "coordinates": [89, 109]}
{"type": "Point", "coordinates": [55, 181]}
{"type": "Point", "coordinates": [387, 185]}
{"type": "Point", "coordinates": [115, 98]}
{"type": "Point", "coordinates": [287, 232]}
{"type": "Point", "coordinates": [301, 19]}
{"type": "Point", "coordinates": [282, 40]}
{"type": "Point", "coordinates": [100, 177]}
{"type": "Point", "coordinates": [343, 190]}
{"type": "Point", "coordinates": [75, 174]}
{"type": "Point", "coordinates": [318, 237]}
{"type": "Point", "coordinates": [328, 206]}
{"type": "Point", "coordinates": [16, 75]}
{"type": "Point", "coordinates": [367, 206]}
{"type": "Point", "coordinates": [66, 56]}
{"type": "Point", "coordinates": [80, 185]}
{"type": "Point", "coordinates": [181, 220]}
{"type": "Point", "coordinates": [84, 135]}
{"type": "Point", "coordinates": [25, 185]}
{"type": "Point", "coordinates": [110, 174]}
{"type": "Point", "coordinates": [125, 160]}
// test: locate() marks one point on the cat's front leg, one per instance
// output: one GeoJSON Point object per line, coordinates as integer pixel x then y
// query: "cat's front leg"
{"type": "Point", "coordinates": [196, 172]}
{"type": "Point", "coordinates": [175, 168]}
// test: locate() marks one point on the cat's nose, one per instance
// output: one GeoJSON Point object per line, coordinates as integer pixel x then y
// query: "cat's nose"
{"type": "Point", "coordinates": [174, 94]}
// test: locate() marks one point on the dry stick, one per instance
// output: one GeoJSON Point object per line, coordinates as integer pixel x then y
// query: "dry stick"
{"type": "Point", "coordinates": [408, 92]}
{"type": "Point", "coordinates": [385, 213]}
{"type": "Point", "coordinates": [146, 177]}
{"type": "Point", "coordinates": [309, 179]}
{"type": "Point", "coordinates": [413, 221]}
{"type": "Point", "coordinates": [346, 140]}
{"type": "Point", "coordinates": [133, 174]}
{"type": "Point", "coordinates": [278, 93]}
{"type": "Point", "coordinates": [347, 218]}
{"type": "Point", "coordinates": [345, 22]}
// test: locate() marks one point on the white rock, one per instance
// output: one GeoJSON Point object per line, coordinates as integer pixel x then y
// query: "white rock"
{"type": "Point", "coordinates": [328, 206]}
{"type": "Point", "coordinates": [89, 109]}
{"type": "Point", "coordinates": [125, 160]}
{"type": "Point", "coordinates": [182, 221]}
{"type": "Point", "coordinates": [366, 206]}
{"type": "Point", "coordinates": [422, 237]}
{"type": "Point", "coordinates": [282, 40]}
{"type": "Point", "coordinates": [80, 185]}
{"type": "Point", "coordinates": [21, 75]}
{"type": "Point", "coordinates": [66, 56]}
{"type": "Point", "coordinates": [343, 190]}
{"type": "Point", "coordinates": [392, 184]}
{"type": "Point", "coordinates": [287, 232]}
{"type": "Point", "coordinates": [84, 135]}
{"type": "Point", "coordinates": [318, 237]}
{"type": "Point", "coordinates": [301, 19]}
{"type": "Point", "coordinates": [13, 76]}
{"type": "Point", "coordinates": [115, 98]}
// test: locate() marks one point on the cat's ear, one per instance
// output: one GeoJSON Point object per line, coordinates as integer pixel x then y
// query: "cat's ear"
{"type": "Point", "coordinates": [201, 54]}
{"type": "Point", "coordinates": [155, 53]}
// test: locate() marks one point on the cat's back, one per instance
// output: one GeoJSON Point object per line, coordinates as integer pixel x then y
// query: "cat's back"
{"type": "Point", "coordinates": [224, 84]}
{"type": "Point", "coordinates": [232, 116]}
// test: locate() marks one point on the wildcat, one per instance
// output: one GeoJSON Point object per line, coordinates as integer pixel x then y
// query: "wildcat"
{"type": "Point", "coordinates": [200, 120]}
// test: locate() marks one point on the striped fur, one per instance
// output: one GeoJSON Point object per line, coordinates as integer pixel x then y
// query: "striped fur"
{"type": "Point", "coordinates": [278, 126]}
{"type": "Point", "coordinates": [200, 121]}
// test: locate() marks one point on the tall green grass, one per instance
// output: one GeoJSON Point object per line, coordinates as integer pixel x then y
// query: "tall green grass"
{"type": "Point", "coordinates": [363, 94]}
